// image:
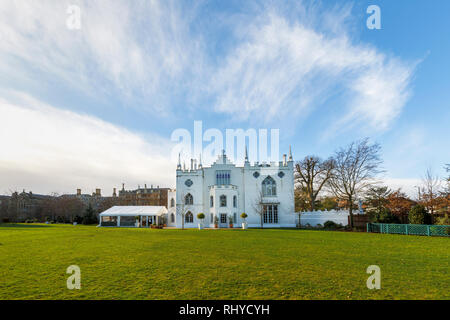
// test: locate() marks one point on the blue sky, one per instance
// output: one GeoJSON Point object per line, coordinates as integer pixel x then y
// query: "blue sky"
{"type": "Point", "coordinates": [96, 107]}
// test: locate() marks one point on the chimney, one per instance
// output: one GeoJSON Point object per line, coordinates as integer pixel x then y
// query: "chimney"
{"type": "Point", "coordinates": [78, 192]}
{"type": "Point", "coordinates": [114, 192]}
{"type": "Point", "coordinates": [98, 192]}
{"type": "Point", "coordinates": [145, 185]}
{"type": "Point", "coordinates": [284, 159]}
{"type": "Point", "coordinates": [123, 186]}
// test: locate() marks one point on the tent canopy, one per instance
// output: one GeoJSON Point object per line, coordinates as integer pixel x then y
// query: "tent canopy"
{"type": "Point", "coordinates": [134, 211]}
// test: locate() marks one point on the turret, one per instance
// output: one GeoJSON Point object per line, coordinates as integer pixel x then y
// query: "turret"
{"type": "Point", "coordinates": [179, 162]}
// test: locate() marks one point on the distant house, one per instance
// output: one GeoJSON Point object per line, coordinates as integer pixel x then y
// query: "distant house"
{"type": "Point", "coordinates": [132, 216]}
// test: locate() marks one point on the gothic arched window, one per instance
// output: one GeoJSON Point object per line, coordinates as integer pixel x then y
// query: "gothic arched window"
{"type": "Point", "coordinates": [172, 203]}
{"type": "Point", "coordinates": [223, 200]}
{"type": "Point", "coordinates": [269, 187]}
{"type": "Point", "coordinates": [172, 218]}
{"type": "Point", "coordinates": [211, 201]}
{"type": "Point", "coordinates": [188, 200]}
{"type": "Point", "coordinates": [234, 201]}
{"type": "Point", "coordinates": [189, 218]}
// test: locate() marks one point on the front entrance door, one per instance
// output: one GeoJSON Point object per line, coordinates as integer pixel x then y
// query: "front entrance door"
{"type": "Point", "coordinates": [223, 220]}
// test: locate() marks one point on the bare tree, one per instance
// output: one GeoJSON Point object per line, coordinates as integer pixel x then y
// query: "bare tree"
{"type": "Point", "coordinates": [258, 207]}
{"type": "Point", "coordinates": [447, 180]}
{"type": "Point", "coordinates": [356, 167]}
{"type": "Point", "coordinates": [429, 191]}
{"type": "Point", "coordinates": [312, 174]}
{"type": "Point", "coordinates": [377, 197]}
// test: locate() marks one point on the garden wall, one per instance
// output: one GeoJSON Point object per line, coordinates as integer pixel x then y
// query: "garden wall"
{"type": "Point", "coordinates": [320, 217]}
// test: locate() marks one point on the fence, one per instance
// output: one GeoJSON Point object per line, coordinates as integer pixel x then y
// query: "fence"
{"type": "Point", "coordinates": [412, 229]}
{"type": "Point", "coordinates": [359, 221]}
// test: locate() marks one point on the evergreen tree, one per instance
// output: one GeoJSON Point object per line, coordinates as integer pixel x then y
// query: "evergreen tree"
{"type": "Point", "coordinates": [89, 216]}
{"type": "Point", "coordinates": [419, 215]}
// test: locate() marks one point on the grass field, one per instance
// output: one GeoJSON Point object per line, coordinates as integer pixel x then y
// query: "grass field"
{"type": "Point", "coordinates": [218, 264]}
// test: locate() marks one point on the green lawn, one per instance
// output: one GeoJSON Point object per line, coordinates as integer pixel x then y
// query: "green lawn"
{"type": "Point", "coordinates": [218, 264]}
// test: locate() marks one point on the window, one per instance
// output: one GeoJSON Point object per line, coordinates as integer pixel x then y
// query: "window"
{"type": "Point", "coordinates": [223, 177]}
{"type": "Point", "coordinates": [212, 218]}
{"type": "Point", "coordinates": [188, 200]}
{"type": "Point", "coordinates": [234, 201]}
{"type": "Point", "coordinates": [172, 218]}
{"type": "Point", "coordinates": [269, 187]}
{"type": "Point", "coordinates": [223, 218]}
{"type": "Point", "coordinates": [211, 201]}
{"type": "Point", "coordinates": [189, 217]}
{"type": "Point", "coordinates": [172, 202]}
{"type": "Point", "coordinates": [223, 200]}
{"type": "Point", "coordinates": [270, 213]}
{"type": "Point", "coordinates": [235, 217]}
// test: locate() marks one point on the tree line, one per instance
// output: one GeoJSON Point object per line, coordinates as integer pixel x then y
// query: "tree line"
{"type": "Point", "coordinates": [27, 207]}
{"type": "Point", "coordinates": [350, 179]}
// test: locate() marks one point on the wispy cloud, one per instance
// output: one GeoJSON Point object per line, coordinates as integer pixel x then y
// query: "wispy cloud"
{"type": "Point", "coordinates": [52, 150]}
{"type": "Point", "coordinates": [266, 64]}
{"type": "Point", "coordinates": [286, 68]}
{"type": "Point", "coordinates": [154, 55]}
{"type": "Point", "coordinates": [134, 51]}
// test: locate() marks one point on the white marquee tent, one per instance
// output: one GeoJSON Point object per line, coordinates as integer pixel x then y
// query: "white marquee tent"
{"type": "Point", "coordinates": [132, 216]}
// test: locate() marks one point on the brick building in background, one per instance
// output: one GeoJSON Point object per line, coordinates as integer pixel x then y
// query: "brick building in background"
{"type": "Point", "coordinates": [143, 196]}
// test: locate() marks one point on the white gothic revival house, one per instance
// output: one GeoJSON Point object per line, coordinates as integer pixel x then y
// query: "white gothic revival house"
{"type": "Point", "coordinates": [223, 192]}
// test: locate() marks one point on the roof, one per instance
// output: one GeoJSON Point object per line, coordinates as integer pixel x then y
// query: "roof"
{"type": "Point", "coordinates": [134, 211]}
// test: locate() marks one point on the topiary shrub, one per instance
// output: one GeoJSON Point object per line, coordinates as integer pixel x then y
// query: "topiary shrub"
{"type": "Point", "coordinates": [419, 215]}
{"type": "Point", "coordinates": [201, 216]}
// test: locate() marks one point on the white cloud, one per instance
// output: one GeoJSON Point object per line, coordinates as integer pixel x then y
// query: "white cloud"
{"type": "Point", "coordinates": [137, 51]}
{"type": "Point", "coordinates": [147, 54]}
{"type": "Point", "coordinates": [283, 69]}
{"type": "Point", "coordinates": [46, 149]}
{"type": "Point", "coordinates": [408, 186]}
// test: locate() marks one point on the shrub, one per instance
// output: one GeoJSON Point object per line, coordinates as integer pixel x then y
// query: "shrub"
{"type": "Point", "coordinates": [244, 215]}
{"type": "Point", "coordinates": [331, 225]}
{"type": "Point", "coordinates": [419, 215]}
{"type": "Point", "coordinates": [78, 219]}
{"type": "Point", "coordinates": [443, 221]}
{"type": "Point", "coordinates": [384, 216]}
{"type": "Point", "coordinates": [201, 216]}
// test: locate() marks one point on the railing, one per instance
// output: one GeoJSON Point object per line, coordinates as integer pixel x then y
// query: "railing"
{"type": "Point", "coordinates": [411, 229]}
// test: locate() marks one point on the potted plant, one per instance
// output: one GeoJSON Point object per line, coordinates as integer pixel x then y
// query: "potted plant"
{"type": "Point", "coordinates": [200, 216]}
{"type": "Point", "coordinates": [216, 222]}
{"type": "Point", "coordinates": [230, 221]}
{"type": "Point", "coordinates": [244, 224]}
